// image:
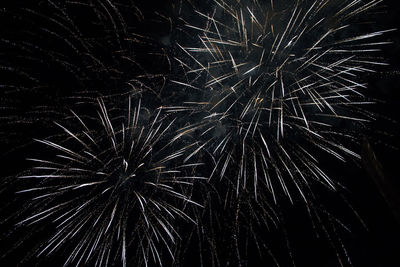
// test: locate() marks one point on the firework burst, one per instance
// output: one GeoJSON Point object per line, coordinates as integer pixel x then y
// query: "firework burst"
{"type": "Point", "coordinates": [280, 87]}
{"type": "Point", "coordinates": [114, 189]}
{"type": "Point", "coordinates": [277, 84]}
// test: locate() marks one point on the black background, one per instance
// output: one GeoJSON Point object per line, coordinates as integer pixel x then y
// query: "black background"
{"type": "Point", "coordinates": [376, 245]}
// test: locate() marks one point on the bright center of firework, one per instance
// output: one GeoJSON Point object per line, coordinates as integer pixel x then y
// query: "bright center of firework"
{"type": "Point", "coordinates": [128, 174]}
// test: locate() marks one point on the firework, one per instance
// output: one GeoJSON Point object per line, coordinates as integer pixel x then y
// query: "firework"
{"type": "Point", "coordinates": [268, 94]}
{"type": "Point", "coordinates": [274, 91]}
{"type": "Point", "coordinates": [114, 190]}
{"type": "Point", "coordinates": [278, 87]}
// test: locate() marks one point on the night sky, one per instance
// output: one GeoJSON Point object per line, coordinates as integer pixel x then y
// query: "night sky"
{"type": "Point", "coordinates": [47, 70]}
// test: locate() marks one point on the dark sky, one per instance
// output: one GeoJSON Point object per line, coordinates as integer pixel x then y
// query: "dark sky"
{"type": "Point", "coordinates": [372, 185]}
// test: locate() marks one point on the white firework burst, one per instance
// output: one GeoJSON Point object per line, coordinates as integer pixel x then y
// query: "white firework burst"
{"type": "Point", "coordinates": [114, 188]}
{"type": "Point", "coordinates": [275, 85]}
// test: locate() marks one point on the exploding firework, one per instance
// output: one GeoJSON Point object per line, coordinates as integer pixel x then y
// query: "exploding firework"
{"type": "Point", "coordinates": [114, 191]}
{"type": "Point", "coordinates": [278, 86]}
